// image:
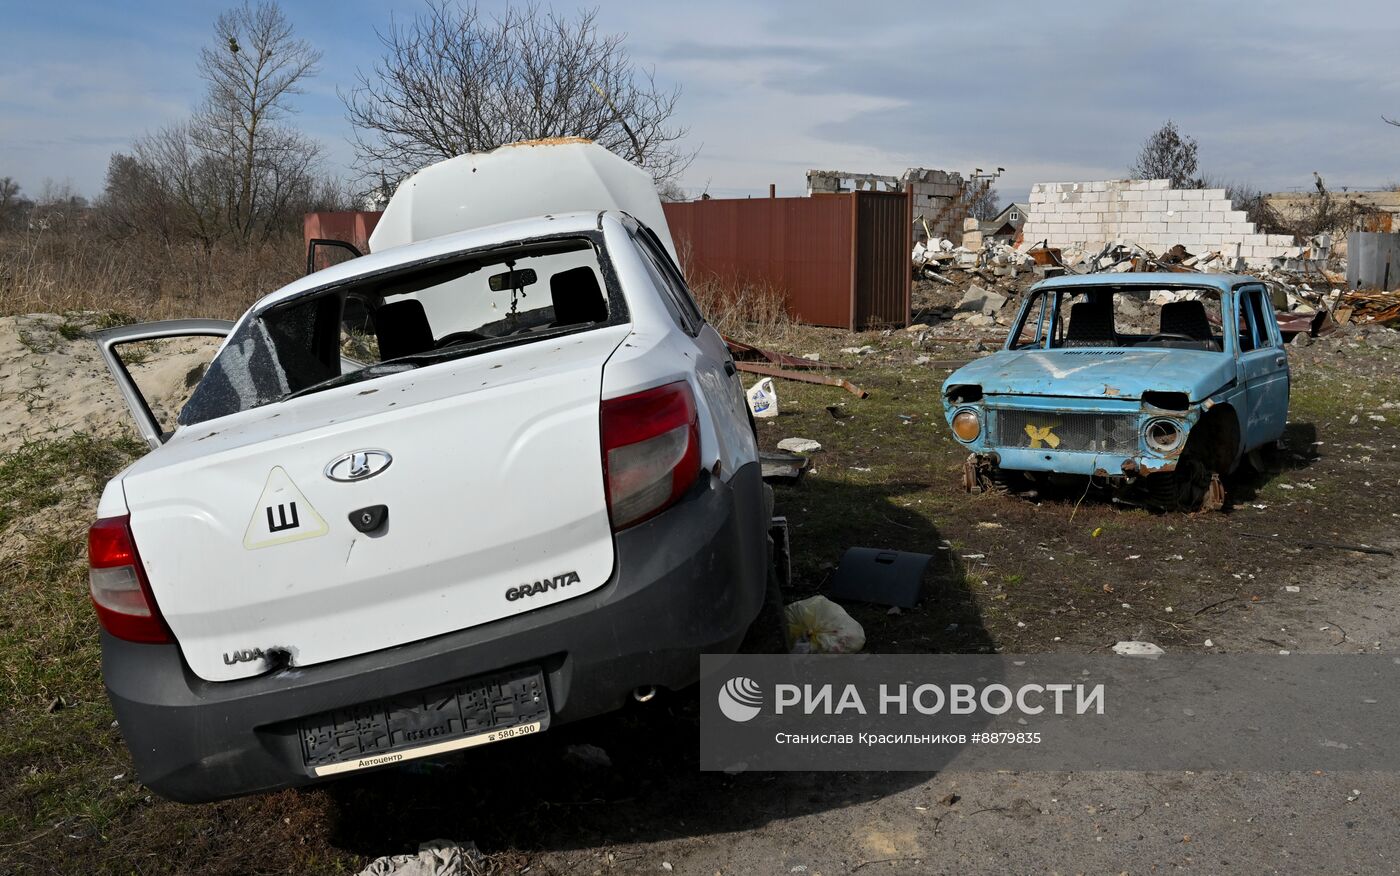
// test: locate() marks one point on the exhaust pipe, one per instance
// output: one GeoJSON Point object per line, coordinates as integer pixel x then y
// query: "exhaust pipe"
{"type": "Point", "coordinates": [644, 694]}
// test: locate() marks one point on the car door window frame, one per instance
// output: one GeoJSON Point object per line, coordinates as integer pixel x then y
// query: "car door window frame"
{"type": "Point", "coordinates": [1251, 315]}
{"type": "Point", "coordinates": [679, 300]}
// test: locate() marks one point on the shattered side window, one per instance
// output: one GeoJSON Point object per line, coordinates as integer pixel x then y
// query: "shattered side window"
{"type": "Point", "coordinates": [244, 375]}
{"type": "Point", "coordinates": [283, 351]}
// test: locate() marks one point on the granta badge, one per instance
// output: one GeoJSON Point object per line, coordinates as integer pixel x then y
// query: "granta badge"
{"type": "Point", "coordinates": [542, 586]}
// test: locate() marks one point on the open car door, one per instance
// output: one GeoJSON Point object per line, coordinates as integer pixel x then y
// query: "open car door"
{"type": "Point", "coordinates": [109, 340]}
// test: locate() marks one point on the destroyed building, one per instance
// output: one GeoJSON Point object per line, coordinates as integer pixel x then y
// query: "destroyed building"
{"type": "Point", "coordinates": [1150, 214]}
{"type": "Point", "coordinates": [939, 204]}
{"type": "Point", "coordinates": [1362, 210]}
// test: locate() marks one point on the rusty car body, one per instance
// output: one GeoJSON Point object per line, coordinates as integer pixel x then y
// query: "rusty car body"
{"type": "Point", "coordinates": [1151, 385]}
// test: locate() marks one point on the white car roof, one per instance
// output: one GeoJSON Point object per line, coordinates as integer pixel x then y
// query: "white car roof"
{"type": "Point", "coordinates": [518, 181]}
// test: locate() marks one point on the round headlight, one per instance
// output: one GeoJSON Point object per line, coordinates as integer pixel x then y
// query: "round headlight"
{"type": "Point", "coordinates": [1163, 436]}
{"type": "Point", "coordinates": [967, 425]}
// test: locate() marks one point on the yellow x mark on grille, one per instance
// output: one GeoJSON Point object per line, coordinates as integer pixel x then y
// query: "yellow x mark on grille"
{"type": "Point", "coordinates": [1039, 434]}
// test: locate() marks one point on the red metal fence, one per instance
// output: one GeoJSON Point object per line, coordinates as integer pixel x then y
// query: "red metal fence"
{"type": "Point", "coordinates": [351, 226]}
{"type": "Point", "coordinates": [838, 260]}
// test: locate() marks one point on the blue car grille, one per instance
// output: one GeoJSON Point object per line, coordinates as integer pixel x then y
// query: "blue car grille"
{"type": "Point", "coordinates": [1066, 431]}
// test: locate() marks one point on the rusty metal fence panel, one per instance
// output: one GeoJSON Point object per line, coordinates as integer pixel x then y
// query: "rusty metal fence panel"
{"type": "Point", "coordinates": [883, 276]}
{"type": "Point", "coordinates": [808, 249]}
{"type": "Point", "coordinates": [352, 226]}
{"type": "Point", "coordinates": [837, 260]}
{"type": "Point", "coordinates": [800, 247]}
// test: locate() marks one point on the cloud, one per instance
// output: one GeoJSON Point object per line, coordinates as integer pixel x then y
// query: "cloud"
{"type": "Point", "coordinates": [1051, 92]}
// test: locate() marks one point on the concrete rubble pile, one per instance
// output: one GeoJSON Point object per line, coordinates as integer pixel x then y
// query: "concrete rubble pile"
{"type": "Point", "coordinates": [1308, 286]}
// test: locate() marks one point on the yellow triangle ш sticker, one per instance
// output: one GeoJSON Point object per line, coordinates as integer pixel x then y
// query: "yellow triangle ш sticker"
{"type": "Point", "coordinates": [282, 515]}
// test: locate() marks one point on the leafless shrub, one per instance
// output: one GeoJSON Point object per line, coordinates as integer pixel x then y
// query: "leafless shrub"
{"type": "Point", "coordinates": [751, 312]}
{"type": "Point", "coordinates": [456, 80]}
{"type": "Point", "coordinates": [144, 277]}
{"type": "Point", "coordinates": [1323, 211]}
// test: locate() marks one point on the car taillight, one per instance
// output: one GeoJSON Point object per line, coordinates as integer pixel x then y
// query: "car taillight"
{"type": "Point", "coordinates": [120, 592]}
{"type": "Point", "coordinates": [651, 451]}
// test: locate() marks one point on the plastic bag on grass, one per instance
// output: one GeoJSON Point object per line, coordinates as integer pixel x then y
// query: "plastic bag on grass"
{"type": "Point", "coordinates": [763, 398]}
{"type": "Point", "coordinates": [819, 626]}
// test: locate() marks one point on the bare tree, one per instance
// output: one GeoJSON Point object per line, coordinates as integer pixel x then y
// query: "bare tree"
{"type": "Point", "coordinates": [14, 207]}
{"type": "Point", "coordinates": [981, 200]}
{"type": "Point", "coordinates": [456, 80]}
{"type": "Point", "coordinates": [1168, 154]}
{"type": "Point", "coordinates": [254, 66]}
{"type": "Point", "coordinates": [234, 169]}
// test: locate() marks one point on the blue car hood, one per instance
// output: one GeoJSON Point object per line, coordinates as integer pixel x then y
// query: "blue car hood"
{"type": "Point", "coordinates": [1098, 373]}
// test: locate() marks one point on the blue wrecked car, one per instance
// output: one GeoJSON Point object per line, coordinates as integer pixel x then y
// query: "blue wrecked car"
{"type": "Point", "coordinates": [1153, 386]}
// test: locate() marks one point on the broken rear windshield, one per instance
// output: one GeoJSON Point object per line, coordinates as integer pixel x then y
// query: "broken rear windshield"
{"type": "Point", "coordinates": [389, 322]}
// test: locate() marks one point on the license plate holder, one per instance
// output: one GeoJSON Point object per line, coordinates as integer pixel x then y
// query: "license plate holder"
{"type": "Point", "coordinates": [476, 711]}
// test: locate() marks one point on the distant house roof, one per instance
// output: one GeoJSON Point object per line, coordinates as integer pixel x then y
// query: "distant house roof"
{"type": "Point", "coordinates": [1006, 223]}
{"type": "Point", "coordinates": [1006, 214]}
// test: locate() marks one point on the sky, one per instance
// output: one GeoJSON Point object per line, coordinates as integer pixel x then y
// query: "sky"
{"type": "Point", "coordinates": [1272, 91]}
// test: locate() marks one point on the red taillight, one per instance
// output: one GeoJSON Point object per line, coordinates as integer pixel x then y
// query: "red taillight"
{"type": "Point", "coordinates": [651, 451]}
{"type": "Point", "coordinates": [120, 593]}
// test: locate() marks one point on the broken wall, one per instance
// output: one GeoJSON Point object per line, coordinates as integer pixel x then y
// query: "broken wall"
{"type": "Point", "coordinates": [937, 194]}
{"type": "Point", "coordinates": [1151, 214]}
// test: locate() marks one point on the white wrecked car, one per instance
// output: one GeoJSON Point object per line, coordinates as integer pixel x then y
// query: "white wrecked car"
{"type": "Point", "coordinates": [445, 494]}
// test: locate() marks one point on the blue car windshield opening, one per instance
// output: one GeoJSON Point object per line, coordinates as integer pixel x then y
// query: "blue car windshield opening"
{"type": "Point", "coordinates": [1122, 317]}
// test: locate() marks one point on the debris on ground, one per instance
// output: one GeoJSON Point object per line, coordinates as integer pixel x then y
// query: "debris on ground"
{"type": "Point", "coordinates": [817, 625]}
{"type": "Point", "coordinates": [977, 299]}
{"type": "Point", "coordinates": [770, 371]}
{"type": "Point", "coordinates": [743, 352]}
{"type": "Point", "coordinates": [587, 756]}
{"type": "Point", "coordinates": [763, 398]}
{"type": "Point", "coordinates": [781, 466]}
{"type": "Point", "coordinates": [973, 292]}
{"type": "Point", "coordinates": [799, 445]}
{"type": "Point", "coordinates": [435, 858]}
{"type": "Point", "coordinates": [880, 577]}
{"type": "Point", "coordinates": [1138, 649]}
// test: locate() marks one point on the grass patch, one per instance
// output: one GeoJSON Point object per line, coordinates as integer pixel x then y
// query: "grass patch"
{"type": "Point", "coordinates": [69, 798]}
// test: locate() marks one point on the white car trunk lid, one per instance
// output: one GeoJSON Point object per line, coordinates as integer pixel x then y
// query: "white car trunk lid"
{"type": "Point", "coordinates": [489, 467]}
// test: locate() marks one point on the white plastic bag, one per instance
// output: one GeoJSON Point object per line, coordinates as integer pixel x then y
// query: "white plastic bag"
{"type": "Point", "coordinates": [819, 626]}
{"type": "Point", "coordinates": [763, 398]}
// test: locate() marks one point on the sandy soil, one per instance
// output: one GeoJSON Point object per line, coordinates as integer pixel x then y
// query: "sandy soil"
{"type": "Point", "coordinates": [54, 383]}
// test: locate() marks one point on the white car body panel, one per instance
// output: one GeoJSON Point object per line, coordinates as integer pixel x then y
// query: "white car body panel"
{"type": "Point", "coordinates": [726, 436]}
{"type": "Point", "coordinates": [517, 181]}
{"type": "Point", "coordinates": [496, 476]}
{"type": "Point", "coordinates": [523, 438]}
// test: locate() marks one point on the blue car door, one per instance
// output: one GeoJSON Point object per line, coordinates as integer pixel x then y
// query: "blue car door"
{"type": "Point", "coordinates": [1263, 367]}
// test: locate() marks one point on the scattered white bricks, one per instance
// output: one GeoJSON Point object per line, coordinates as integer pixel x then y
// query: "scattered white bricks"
{"type": "Point", "coordinates": [1151, 214]}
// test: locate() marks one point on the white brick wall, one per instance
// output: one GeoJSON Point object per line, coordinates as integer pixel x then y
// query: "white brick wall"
{"type": "Point", "coordinates": [1149, 213]}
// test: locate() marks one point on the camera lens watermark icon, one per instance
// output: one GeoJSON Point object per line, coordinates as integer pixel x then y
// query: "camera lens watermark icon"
{"type": "Point", "coordinates": [741, 699]}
